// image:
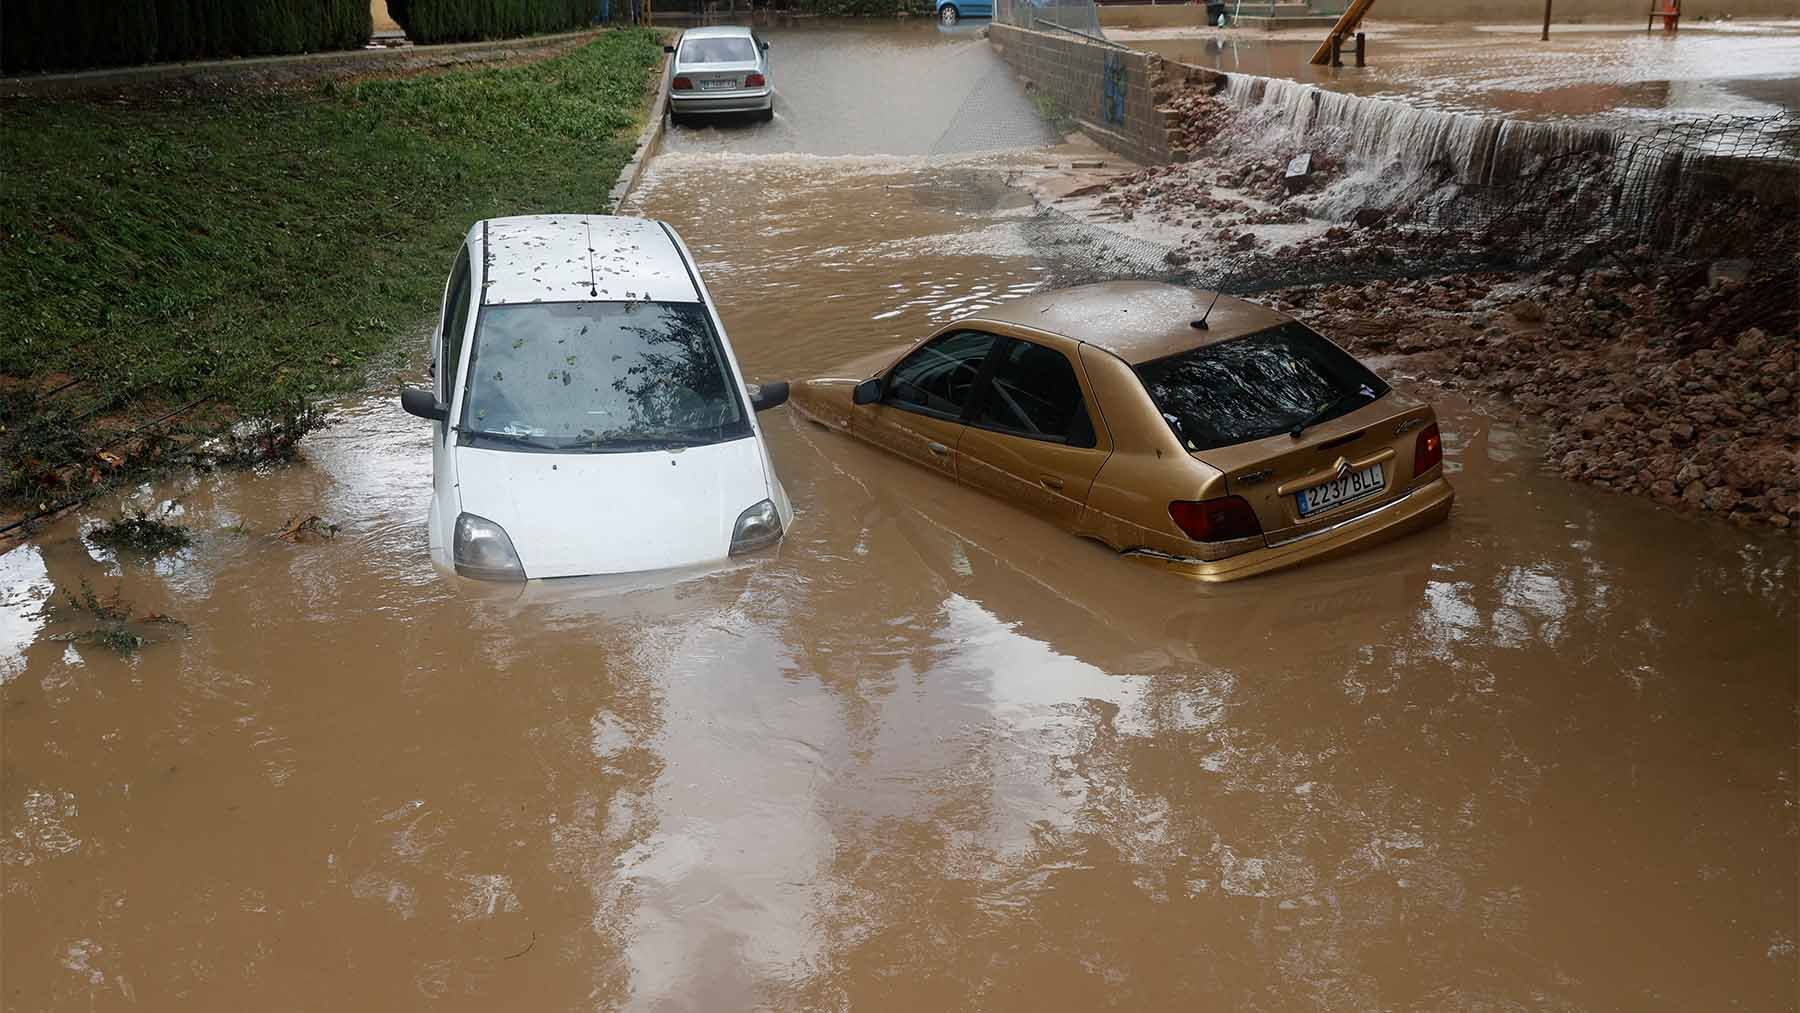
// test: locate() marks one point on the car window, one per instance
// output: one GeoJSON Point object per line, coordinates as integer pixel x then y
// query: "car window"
{"type": "Point", "coordinates": [455, 321]}
{"type": "Point", "coordinates": [939, 377]}
{"type": "Point", "coordinates": [731, 49]}
{"type": "Point", "coordinates": [598, 377]}
{"type": "Point", "coordinates": [1257, 386]}
{"type": "Point", "coordinates": [1033, 392]}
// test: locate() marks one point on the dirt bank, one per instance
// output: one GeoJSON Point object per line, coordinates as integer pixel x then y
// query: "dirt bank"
{"type": "Point", "coordinates": [1662, 375]}
{"type": "Point", "coordinates": [1652, 383]}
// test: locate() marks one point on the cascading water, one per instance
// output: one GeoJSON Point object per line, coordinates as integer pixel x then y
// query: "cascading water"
{"type": "Point", "coordinates": [1562, 182]}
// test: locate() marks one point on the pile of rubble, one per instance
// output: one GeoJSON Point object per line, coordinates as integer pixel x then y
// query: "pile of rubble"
{"type": "Point", "coordinates": [1650, 383]}
{"type": "Point", "coordinates": [1200, 116]}
{"type": "Point", "coordinates": [1221, 187]}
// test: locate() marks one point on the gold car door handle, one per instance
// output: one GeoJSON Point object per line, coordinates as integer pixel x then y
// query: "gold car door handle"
{"type": "Point", "coordinates": [1051, 482]}
{"type": "Point", "coordinates": [937, 448]}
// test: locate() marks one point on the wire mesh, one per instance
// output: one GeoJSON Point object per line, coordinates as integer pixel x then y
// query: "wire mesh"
{"type": "Point", "coordinates": [1080, 16]}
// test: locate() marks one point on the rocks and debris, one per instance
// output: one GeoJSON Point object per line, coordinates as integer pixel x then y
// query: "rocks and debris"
{"type": "Point", "coordinates": [1200, 116]}
{"type": "Point", "coordinates": [1648, 383]}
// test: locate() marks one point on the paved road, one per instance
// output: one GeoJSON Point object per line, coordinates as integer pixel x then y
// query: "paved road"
{"type": "Point", "coordinates": [879, 88]}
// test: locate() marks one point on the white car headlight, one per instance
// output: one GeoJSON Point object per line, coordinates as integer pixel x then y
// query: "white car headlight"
{"type": "Point", "coordinates": [483, 551]}
{"type": "Point", "coordinates": [756, 528]}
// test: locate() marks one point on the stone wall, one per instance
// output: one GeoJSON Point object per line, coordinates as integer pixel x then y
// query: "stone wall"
{"type": "Point", "coordinates": [1116, 95]}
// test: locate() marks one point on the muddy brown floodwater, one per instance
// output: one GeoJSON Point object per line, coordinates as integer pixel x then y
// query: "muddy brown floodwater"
{"type": "Point", "coordinates": [930, 754]}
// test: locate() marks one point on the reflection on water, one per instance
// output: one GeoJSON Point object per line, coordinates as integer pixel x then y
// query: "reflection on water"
{"type": "Point", "coordinates": [929, 754]}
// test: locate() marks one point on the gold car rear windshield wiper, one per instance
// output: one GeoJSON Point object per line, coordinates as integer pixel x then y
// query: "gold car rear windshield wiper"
{"type": "Point", "coordinates": [1325, 410]}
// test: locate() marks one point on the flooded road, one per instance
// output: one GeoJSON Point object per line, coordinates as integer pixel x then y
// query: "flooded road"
{"type": "Point", "coordinates": [931, 753]}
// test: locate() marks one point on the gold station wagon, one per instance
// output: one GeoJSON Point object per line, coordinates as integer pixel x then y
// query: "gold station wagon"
{"type": "Point", "coordinates": [1207, 434]}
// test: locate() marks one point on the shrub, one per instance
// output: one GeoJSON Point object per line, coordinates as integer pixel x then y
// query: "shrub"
{"type": "Point", "coordinates": [65, 34]}
{"type": "Point", "coordinates": [139, 532]}
{"type": "Point", "coordinates": [432, 21]}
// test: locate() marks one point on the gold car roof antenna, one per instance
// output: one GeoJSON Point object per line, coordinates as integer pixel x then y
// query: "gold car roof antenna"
{"type": "Point", "coordinates": [1200, 324]}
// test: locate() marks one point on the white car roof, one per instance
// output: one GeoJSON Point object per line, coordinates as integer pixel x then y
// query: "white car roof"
{"type": "Point", "coordinates": [545, 258]}
{"type": "Point", "coordinates": [717, 32]}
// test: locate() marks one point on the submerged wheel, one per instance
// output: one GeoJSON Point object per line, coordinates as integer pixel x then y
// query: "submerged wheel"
{"type": "Point", "coordinates": [949, 15]}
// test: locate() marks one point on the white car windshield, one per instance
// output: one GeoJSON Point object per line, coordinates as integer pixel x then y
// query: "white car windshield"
{"type": "Point", "coordinates": [721, 50]}
{"type": "Point", "coordinates": [599, 377]}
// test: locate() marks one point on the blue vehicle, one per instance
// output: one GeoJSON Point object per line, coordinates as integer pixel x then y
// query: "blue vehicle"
{"type": "Point", "coordinates": [949, 12]}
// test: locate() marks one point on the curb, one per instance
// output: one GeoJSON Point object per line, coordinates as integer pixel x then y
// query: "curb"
{"type": "Point", "coordinates": [647, 143]}
{"type": "Point", "coordinates": [281, 69]}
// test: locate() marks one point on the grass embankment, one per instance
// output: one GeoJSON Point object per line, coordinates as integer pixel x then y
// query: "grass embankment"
{"type": "Point", "coordinates": [223, 259]}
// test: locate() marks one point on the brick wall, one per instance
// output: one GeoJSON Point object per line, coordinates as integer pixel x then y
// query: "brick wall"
{"type": "Point", "coordinates": [1115, 95]}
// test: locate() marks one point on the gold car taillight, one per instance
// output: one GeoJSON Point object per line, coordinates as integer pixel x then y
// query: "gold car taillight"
{"type": "Point", "coordinates": [1215, 520]}
{"type": "Point", "coordinates": [1428, 452]}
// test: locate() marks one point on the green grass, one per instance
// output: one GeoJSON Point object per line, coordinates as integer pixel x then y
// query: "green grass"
{"type": "Point", "coordinates": [253, 250]}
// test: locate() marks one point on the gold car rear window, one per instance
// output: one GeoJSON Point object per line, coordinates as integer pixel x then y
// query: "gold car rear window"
{"type": "Point", "coordinates": [1256, 386]}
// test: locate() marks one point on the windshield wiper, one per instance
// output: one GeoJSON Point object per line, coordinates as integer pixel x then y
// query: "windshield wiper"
{"type": "Point", "coordinates": [1324, 412]}
{"type": "Point", "coordinates": [519, 438]}
{"type": "Point", "coordinates": [654, 440]}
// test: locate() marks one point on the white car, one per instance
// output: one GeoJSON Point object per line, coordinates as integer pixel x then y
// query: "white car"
{"type": "Point", "coordinates": [590, 417]}
{"type": "Point", "coordinates": [720, 70]}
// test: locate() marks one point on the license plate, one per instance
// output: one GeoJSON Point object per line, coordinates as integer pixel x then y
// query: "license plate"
{"type": "Point", "coordinates": [1357, 484]}
{"type": "Point", "coordinates": [725, 85]}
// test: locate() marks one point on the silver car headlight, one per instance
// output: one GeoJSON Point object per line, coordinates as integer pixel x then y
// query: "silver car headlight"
{"type": "Point", "coordinates": [483, 551]}
{"type": "Point", "coordinates": [756, 528]}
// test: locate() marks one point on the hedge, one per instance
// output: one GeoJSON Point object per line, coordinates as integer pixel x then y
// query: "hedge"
{"type": "Point", "coordinates": [431, 21]}
{"type": "Point", "coordinates": [68, 34]}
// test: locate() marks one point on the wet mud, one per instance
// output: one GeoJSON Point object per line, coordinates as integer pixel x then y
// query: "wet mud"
{"type": "Point", "coordinates": [930, 753]}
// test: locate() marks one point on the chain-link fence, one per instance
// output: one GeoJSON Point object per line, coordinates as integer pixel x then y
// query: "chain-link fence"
{"type": "Point", "coordinates": [1079, 16]}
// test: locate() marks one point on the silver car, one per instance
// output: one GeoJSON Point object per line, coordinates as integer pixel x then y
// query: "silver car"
{"type": "Point", "coordinates": [720, 70]}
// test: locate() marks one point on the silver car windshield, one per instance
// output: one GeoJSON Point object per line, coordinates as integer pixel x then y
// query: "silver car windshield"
{"type": "Point", "coordinates": [598, 377]}
{"type": "Point", "coordinates": [719, 50]}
